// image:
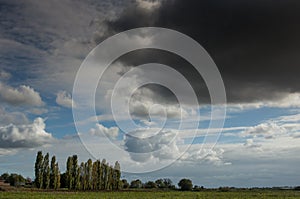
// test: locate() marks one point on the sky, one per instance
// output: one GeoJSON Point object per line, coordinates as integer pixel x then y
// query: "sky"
{"type": "Point", "coordinates": [210, 92]}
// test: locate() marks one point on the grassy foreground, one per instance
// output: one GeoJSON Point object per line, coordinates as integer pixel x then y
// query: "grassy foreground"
{"type": "Point", "coordinates": [152, 194]}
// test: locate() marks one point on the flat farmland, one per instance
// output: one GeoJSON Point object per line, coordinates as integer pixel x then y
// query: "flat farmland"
{"type": "Point", "coordinates": [153, 194]}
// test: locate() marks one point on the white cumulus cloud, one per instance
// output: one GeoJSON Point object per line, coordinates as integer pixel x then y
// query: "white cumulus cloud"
{"type": "Point", "coordinates": [64, 99]}
{"type": "Point", "coordinates": [266, 130]}
{"type": "Point", "coordinates": [23, 95]}
{"type": "Point", "coordinates": [25, 136]}
{"type": "Point", "coordinates": [101, 130]}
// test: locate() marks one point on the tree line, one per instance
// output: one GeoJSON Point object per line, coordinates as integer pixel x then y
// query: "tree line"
{"type": "Point", "coordinates": [15, 179]}
{"type": "Point", "coordinates": [89, 175]}
{"type": "Point", "coordinates": [46, 176]}
{"type": "Point", "coordinates": [97, 175]}
{"type": "Point", "coordinates": [163, 183]}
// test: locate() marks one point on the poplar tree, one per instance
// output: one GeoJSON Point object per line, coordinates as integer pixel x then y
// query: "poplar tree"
{"type": "Point", "coordinates": [99, 174]}
{"type": "Point", "coordinates": [117, 175]}
{"type": "Point", "coordinates": [74, 172]}
{"type": "Point", "coordinates": [38, 170]}
{"type": "Point", "coordinates": [69, 172]}
{"type": "Point", "coordinates": [94, 176]}
{"type": "Point", "coordinates": [46, 172]}
{"type": "Point", "coordinates": [82, 176]}
{"type": "Point", "coordinates": [57, 177]}
{"type": "Point", "coordinates": [104, 174]}
{"type": "Point", "coordinates": [52, 172]}
{"type": "Point", "coordinates": [89, 168]}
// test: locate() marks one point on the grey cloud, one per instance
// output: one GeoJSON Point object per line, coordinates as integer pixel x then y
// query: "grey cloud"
{"type": "Point", "coordinates": [15, 117]}
{"type": "Point", "coordinates": [64, 99]}
{"type": "Point", "coordinates": [23, 95]}
{"type": "Point", "coordinates": [162, 145]}
{"type": "Point", "coordinates": [4, 75]}
{"type": "Point", "coordinates": [254, 44]}
{"type": "Point", "coordinates": [45, 42]}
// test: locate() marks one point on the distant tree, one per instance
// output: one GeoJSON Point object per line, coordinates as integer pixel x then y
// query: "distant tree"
{"type": "Point", "coordinates": [164, 183]}
{"type": "Point", "coordinates": [28, 181]}
{"type": "Point", "coordinates": [4, 176]}
{"type": "Point", "coordinates": [167, 182]}
{"type": "Point", "coordinates": [224, 189]}
{"type": "Point", "coordinates": [16, 179]}
{"type": "Point", "coordinates": [136, 184]}
{"type": "Point", "coordinates": [159, 183]}
{"type": "Point", "coordinates": [297, 188]}
{"type": "Point", "coordinates": [125, 184]}
{"type": "Point", "coordinates": [185, 184]}
{"type": "Point", "coordinates": [46, 172]}
{"type": "Point", "coordinates": [150, 185]}
{"type": "Point", "coordinates": [198, 188]}
{"type": "Point", "coordinates": [38, 170]}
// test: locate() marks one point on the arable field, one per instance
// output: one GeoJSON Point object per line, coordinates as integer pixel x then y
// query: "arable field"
{"type": "Point", "coordinates": [152, 194]}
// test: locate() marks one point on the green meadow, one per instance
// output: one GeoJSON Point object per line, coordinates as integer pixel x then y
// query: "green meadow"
{"type": "Point", "coordinates": [154, 194]}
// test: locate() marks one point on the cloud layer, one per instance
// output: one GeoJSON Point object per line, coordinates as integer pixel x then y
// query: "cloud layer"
{"type": "Point", "coordinates": [254, 47]}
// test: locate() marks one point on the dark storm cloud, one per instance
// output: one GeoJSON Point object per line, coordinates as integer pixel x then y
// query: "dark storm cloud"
{"type": "Point", "coordinates": [255, 44]}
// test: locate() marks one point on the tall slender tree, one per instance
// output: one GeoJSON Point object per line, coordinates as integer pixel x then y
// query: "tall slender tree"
{"type": "Point", "coordinates": [117, 175]}
{"type": "Point", "coordinates": [74, 171]}
{"type": "Point", "coordinates": [69, 175]}
{"type": "Point", "coordinates": [38, 170]}
{"type": "Point", "coordinates": [110, 178]}
{"type": "Point", "coordinates": [99, 174]}
{"type": "Point", "coordinates": [89, 168]}
{"type": "Point", "coordinates": [104, 174]}
{"type": "Point", "coordinates": [52, 172]}
{"type": "Point", "coordinates": [82, 176]}
{"type": "Point", "coordinates": [78, 179]}
{"type": "Point", "coordinates": [46, 172]}
{"type": "Point", "coordinates": [94, 176]}
{"type": "Point", "coordinates": [57, 177]}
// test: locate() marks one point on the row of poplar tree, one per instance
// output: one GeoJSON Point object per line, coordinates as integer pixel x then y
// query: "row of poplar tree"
{"type": "Point", "coordinates": [86, 176]}
{"type": "Point", "coordinates": [92, 175]}
{"type": "Point", "coordinates": [46, 176]}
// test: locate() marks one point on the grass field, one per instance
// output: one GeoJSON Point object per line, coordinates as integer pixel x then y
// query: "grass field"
{"type": "Point", "coordinates": [152, 194]}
